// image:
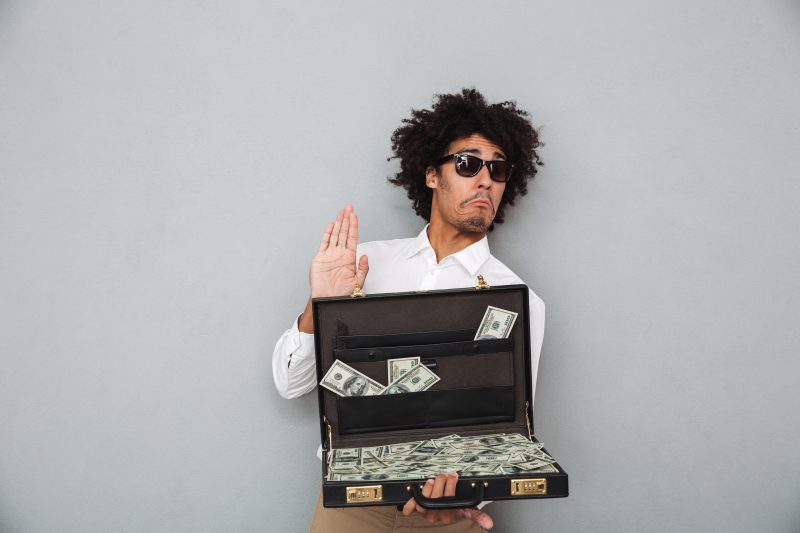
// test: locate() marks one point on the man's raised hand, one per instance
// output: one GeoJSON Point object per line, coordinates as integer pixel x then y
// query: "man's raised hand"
{"type": "Point", "coordinates": [334, 271]}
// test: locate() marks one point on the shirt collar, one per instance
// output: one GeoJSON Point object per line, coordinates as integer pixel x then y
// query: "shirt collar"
{"type": "Point", "coordinates": [471, 258]}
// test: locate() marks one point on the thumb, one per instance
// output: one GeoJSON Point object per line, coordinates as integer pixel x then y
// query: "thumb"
{"type": "Point", "coordinates": [479, 517]}
{"type": "Point", "coordinates": [363, 269]}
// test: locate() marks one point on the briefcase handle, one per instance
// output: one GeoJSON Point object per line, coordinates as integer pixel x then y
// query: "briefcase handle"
{"type": "Point", "coordinates": [449, 502]}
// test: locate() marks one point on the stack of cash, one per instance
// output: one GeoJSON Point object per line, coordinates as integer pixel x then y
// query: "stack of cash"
{"type": "Point", "coordinates": [482, 455]}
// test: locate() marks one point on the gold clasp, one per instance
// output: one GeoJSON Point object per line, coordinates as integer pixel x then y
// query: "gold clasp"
{"type": "Point", "coordinates": [481, 283]}
{"type": "Point", "coordinates": [527, 487]}
{"type": "Point", "coordinates": [365, 494]}
{"type": "Point", "coordinates": [357, 292]}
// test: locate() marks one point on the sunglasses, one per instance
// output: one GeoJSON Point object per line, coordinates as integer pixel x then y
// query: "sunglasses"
{"type": "Point", "coordinates": [469, 166]}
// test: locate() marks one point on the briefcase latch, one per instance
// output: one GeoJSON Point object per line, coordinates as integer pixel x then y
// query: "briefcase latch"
{"type": "Point", "coordinates": [365, 494]}
{"type": "Point", "coordinates": [526, 487]}
{"type": "Point", "coordinates": [482, 283]}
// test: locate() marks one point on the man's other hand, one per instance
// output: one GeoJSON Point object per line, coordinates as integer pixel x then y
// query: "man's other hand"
{"type": "Point", "coordinates": [334, 271]}
{"type": "Point", "coordinates": [445, 485]}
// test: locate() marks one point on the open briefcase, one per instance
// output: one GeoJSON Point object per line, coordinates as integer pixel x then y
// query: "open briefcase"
{"type": "Point", "coordinates": [484, 388]}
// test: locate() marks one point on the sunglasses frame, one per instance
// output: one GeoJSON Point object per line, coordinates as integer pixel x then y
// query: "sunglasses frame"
{"type": "Point", "coordinates": [488, 164]}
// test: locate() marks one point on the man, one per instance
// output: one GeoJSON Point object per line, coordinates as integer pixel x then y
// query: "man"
{"type": "Point", "coordinates": [462, 163]}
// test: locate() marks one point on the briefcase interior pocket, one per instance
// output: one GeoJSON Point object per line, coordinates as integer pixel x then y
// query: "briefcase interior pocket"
{"type": "Point", "coordinates": [383, 353]}
{"type": "Point", "coordinates": [427, 409]}
{"type": "Point", "coordinates": [404, 339]}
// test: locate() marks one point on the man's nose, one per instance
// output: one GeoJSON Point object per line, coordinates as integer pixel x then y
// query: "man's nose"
{"type": "Point", "coordinates": [484, 178]}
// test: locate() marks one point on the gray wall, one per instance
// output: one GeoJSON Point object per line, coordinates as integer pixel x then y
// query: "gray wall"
{"type": "Point", "coordinates": [166, 169]}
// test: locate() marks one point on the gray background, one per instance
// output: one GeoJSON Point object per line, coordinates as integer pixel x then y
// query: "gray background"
{"type": "Point", "coordinates": [166, 169]}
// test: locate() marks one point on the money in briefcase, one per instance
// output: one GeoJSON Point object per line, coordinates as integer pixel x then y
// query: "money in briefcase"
{"type": "Point", "coordinates": [414, 384]}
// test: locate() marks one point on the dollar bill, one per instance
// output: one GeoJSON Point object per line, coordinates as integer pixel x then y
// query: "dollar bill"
{"type": "Point", "coordinates": [521, 469]}
{"type": "Point", "coordinates": [418, 378]}
{"type": "Point", "coordinates": [398, 367]}
{"type": "Point", "coordinates": [496, 324]}
{"type": "Point", "coordinates": [428, 447]}
{"type": "Point", "coordinates": [403, 447]}
{"type": "Point", "coordinates": [344, 380]}
{"type": "Point", "coordinates": [347, 454]}
{"type": "Point", "coordinates": [494, 458]}
{"type": "Point", "coordinates": [482, 469]}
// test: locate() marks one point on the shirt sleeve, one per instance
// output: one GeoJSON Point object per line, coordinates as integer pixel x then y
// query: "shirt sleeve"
{"type": "Point", "coordinates": [294, 365]}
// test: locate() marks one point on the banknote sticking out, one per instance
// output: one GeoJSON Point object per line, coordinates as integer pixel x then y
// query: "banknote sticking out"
{"type": "Point", "coordinates": [345, 380]}
{"type": "Point", "coordinates": [417, 379]}
{"type": "Point", "coordinates": [502, 453]}
{"type": "Point", "coordinates": [496, 324]}
{"type": "Point", "coordinates": [409, 376]}
{"type": "Point", "coordinates": [398, 367]}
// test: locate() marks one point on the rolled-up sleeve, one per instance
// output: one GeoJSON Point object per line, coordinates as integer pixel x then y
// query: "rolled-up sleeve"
{"type": "Point", "coordinates": [294, 367]}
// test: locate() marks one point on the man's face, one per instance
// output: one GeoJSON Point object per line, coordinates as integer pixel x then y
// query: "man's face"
{"type": "Point", "coordinates": [468, 204]}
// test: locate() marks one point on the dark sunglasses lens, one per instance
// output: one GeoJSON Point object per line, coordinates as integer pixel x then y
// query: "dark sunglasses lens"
{"type": "Point", "coordinates": [467, 165]}
{"type": "Point", "coordinates": [498, 170]}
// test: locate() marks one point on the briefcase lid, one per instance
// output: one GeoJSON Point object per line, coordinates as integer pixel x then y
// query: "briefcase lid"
{"type": "Point", "coordinates": [440, 325]}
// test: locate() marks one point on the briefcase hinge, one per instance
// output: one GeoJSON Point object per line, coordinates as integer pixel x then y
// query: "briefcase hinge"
{"type": "Point", "coordinates": [527, 487]}
{"type": "Point", "coordinates": [481, 283]}
{"type": "Point", "coordinates": [357, 292]}
{"type": "Point", "coordinates": [330, 438]}
{"type": "Point", "coordinates": [527, 420]}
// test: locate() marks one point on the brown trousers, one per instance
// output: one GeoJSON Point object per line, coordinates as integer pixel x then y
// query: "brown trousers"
{"type": "Point", "coordinates": [379, 519]}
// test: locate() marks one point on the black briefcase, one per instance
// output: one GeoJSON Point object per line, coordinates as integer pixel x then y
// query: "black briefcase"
{"type": "Point", "coordinates": [484, 388]}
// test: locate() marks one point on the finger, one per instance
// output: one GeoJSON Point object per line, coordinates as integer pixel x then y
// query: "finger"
{"type": "Point", "coordinates": [363, 270]}
{"type": "Point", "coordinates": [427, 488]}
{"type": "Point", "coordinates": [409, 507]}
{"type": "Point", "coordinates": [450, 484]}
{"type": "Point", "coordinates": [326, 237]}
{"type": "Point", "coordinates": [479, 517]}
{"type": "Point", "coordinates": [343, 232]}
{"type": "Point", "coordinates": [352, 235]}
{"type": "Point", "coordinates": [438, 486]}
{"type": "Point", "coordinates": [336, 227]}
{"type": "Point", "coordinates": [426, 491]}
{"type": "Point", "coordinates": [448, 517]}
{"type": "Point", "coordinates": [445, 516]}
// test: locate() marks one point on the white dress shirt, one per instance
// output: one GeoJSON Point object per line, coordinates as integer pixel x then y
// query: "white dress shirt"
{"type": "Point", "coordinates": [403, 265]}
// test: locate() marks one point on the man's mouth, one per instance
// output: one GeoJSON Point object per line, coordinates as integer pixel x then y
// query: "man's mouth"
{"type": "Point", "coordinates": [481, 201]}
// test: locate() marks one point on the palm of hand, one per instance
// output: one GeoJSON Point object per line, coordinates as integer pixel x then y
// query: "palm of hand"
{"type": "Point", "coordinates": [334, 271]}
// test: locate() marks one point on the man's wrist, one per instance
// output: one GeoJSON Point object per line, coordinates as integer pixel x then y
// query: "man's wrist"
{"type": "Point", "coordinates": [305, 322]}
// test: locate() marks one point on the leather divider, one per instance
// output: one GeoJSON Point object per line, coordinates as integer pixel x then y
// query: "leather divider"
{"type": "Point", "coordinates": [404, 339]}
{"type": "Point", "coordinates": [382, 353]}
{"type": "Point", "coordinates": [426, 409]}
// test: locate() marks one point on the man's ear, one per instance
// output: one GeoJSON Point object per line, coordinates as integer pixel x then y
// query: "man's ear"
{"type": "Point", "coordinates": [431, 178]}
